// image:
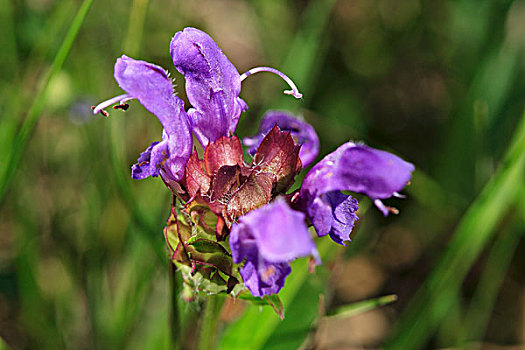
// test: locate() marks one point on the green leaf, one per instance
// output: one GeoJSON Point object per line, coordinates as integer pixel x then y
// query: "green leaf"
{"type": "Point", "coordinates": [363, 306]}
{"type": "Point", "coordinates": [269, 300]}
{"type": "Point", "coordinates": [204, 279]}
{"type": "Point", "coordinates": [206, 246]}
{"type": "Point", "coordinates": [247, 296]}
{"type": "Point", "coordinates": [277, 305]}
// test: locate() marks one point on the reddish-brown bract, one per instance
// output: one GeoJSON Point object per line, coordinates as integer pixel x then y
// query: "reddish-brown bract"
{"type": "Point", "coordinates": [230, 187]}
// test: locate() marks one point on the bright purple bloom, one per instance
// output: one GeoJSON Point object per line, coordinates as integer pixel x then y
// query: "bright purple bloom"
{"type": "Point", "coordinates": [269, 238]}
{"type": "Point", "coordinates": [357, 168]}
{"type": "Point", "coordinates": [153, 88]}
{"type": "Point", "coordinates": [303, 133]}
{"type": "Point", "coordinates": [213, 84]}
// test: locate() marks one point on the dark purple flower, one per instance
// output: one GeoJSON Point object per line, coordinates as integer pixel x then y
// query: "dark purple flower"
{"type": "Point", "coordinates": [153, 88]}
{"type": "Point", "coordinates": [303, 133]}
{"type": "Point", "coordinates": [357, 168]}
{"type": "Point", "coordinates": [269, 238]}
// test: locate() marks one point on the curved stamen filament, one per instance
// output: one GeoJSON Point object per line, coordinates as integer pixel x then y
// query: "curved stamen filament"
{"type": "Point", "coordinates": [126, 99]}
{"type": "Point", "coordinates": [294, 92]}
{"type": "Point", "coordinates": [121, 99]}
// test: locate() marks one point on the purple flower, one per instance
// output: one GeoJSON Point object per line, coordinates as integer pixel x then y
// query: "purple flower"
{"type": "Point", "coordinates": [213, 84]}
{"type": "Point", "coordinates": [269, 238]}
{"type": "Point", "coordinates": [303, 133]}
{"type": "Point", "coordinates": [223, 194]}
{"type": "Point", "coordinates": [151, 85]}
{"type": "Point", "coordinates": [357, 168]}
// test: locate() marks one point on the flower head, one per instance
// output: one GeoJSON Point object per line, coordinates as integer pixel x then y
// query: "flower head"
{"type": "Point", "coordinates": [225, 197]}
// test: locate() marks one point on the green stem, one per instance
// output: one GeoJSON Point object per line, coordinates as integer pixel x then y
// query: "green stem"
{"type": "Point", "coordinates": [175, 324]}
{"type": "Point", "coordinates": [208, 332]}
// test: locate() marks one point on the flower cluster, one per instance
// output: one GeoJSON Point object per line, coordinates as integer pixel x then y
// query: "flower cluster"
{"type": "Point", "coordinates": [236, 225]}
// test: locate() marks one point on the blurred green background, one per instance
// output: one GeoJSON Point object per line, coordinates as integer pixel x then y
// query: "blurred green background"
{"type": "Point", "coordinates": [440, 83]}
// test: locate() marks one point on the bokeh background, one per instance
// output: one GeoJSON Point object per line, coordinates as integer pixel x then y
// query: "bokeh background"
{"type": "Point", "coordinates": [440, 83]}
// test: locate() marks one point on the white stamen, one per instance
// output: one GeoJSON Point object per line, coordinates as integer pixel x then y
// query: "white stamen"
{"type": "Point", "coordinates": [382, 208]}
{"type": "Point", "coordinates": [398, 195]}
{"type": "Point", "coordinates": [317, 257]}
{"type": "Point", "coordinates": [117, 99]}
{"type": "Point", "coordinates": [385, 209]}
{"type": "Point", "coordinates": [294, 92]}
{"type": "Point", "coordinates": [124, 100]}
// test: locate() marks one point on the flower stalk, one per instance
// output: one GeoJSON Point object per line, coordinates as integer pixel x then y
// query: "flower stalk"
{"type": "Point", "coordinates": [175, 322]}
{"type": "Point", "coordinates": [209, 324]}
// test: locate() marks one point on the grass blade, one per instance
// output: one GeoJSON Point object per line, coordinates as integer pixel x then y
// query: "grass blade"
{"type": "Point", "coordinates": [432, 302]}
{"type": "Point", "coordinates": [501, 254]}
{"type": "Point", "coordinates": [21, 139]}
{"type": "Point", "coordinates": [363, 306]}
{"type": "Point", "coordinates": [117, 147]}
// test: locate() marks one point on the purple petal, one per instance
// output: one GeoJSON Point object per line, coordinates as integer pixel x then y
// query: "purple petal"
{"type": "Point", "coordinates": [356, 168]}
{"type": "Point", "coordinates": [333, 213]}
{"type": "Point", "coordinates": [145, 166]}
{"type": "Point", "coordinates": [212, 84]}
{"type": "Point", "coordinates": [152, 87]}
{"type": "Point", "coordinates": [278, 231]}
{"type": "Point", "coordinates": [268, 238]}
{"type": "Point", "coordinates": [242, 243]}
{"type": "Point", "coordinates": [360, 169]}
{"type": "Point", "coordinates": [303, 133]}
{"type": "Point", "coordinates": [264, 279]}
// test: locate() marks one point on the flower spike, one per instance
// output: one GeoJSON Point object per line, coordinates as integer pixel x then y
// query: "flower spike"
{"type": "Point", "coordinates": [235, 227]}
{"type": "Point", "coordinates": [294, 92]}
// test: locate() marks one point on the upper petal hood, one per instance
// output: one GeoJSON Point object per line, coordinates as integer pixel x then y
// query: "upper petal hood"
{"type": "Point", "coordinates": [212, 84]}
{"type": "Point", "coordinates": [361, 169]}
